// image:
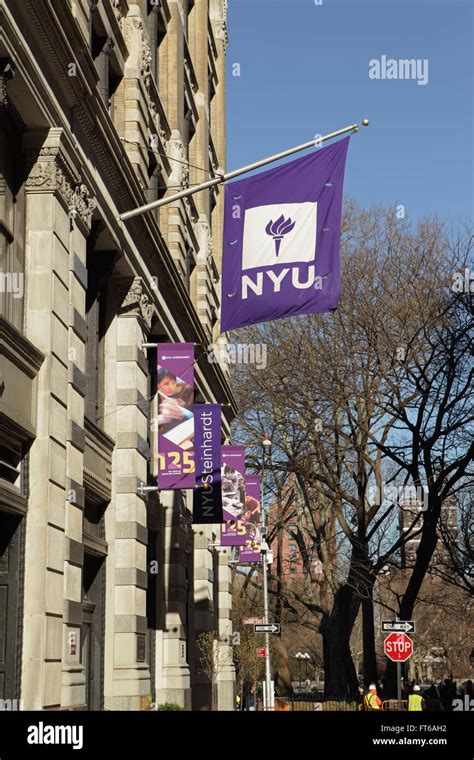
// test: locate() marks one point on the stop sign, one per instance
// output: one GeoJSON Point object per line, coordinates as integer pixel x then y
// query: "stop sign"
{"type": "Point", "coordinates": [398, 647]}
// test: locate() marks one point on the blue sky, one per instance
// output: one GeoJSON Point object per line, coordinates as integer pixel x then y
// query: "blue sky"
{"type": "Point", "coordinates": [304, 70]}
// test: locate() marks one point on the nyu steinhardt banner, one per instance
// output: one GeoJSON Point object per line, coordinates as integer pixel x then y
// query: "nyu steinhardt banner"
{"type": "Point", "coordinates": [175, 388]}
{"type": "Point", "coordinates": [207, 502]}
{"type": "Point", "coordinates": [281, 240]}
{"type": "Point", "coordinates": [251, 552]}
{"type": "Point", "coordinates": [233, 529]}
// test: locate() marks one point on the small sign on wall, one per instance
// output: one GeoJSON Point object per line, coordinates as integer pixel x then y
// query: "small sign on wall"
{"type": "Point", "coordinates": [140, 648]}
{"type": "Point", "coordinates": [72, 642]}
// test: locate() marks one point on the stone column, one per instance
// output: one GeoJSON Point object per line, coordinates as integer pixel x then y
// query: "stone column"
{"type": "Point", "coordinates": [72, 682]}
{"type": "Point", "coordinates": [218, 129]}
{"type": "Point", "coordinates": [127, 675]}
{"type": "Point", "coordinates": [52, 574]}
{"type": "Point", "coordinates": [204, 617]}
{"type": "Point", "coordinates": [172, 665]}
{"type": "Point", "coordinates": [218, 125]}
{"type": "Point", "coordinates": [226, 678]}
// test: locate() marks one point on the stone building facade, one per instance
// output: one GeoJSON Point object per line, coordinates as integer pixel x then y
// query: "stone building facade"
{"type": "Point", "coordinates": [104, 106]}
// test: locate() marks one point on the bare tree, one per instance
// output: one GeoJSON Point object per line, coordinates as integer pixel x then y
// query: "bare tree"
{"type": "Point", "coordinates": [341, 399]}
{"type": "Point", "coordinates": [212, 659]}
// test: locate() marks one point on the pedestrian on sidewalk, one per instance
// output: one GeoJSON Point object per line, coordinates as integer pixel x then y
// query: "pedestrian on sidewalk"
{"type": "Point", "coordinates": [250, 700]}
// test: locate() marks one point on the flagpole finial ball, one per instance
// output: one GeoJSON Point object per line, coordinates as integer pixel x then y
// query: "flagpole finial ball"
{"type": "Point", "coordinates": [365, 122]}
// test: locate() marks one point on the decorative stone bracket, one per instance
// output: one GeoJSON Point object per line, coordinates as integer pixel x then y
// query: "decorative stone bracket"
{"type": "Point", "coordinates": [137, 302]}
{"type": "Point", "coordinates": [51, 172]}
{"type": "Point", "coordinates": [6, 72]}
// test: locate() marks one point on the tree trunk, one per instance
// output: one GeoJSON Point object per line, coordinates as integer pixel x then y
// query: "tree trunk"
{"type": "Point", "coordinates": [424, 555]}
{"type": "Point", "coordinates": [368, 640]}
{"type": "Point", "coordinates": [340, 678]}
{"type": "Point", "coordinates": [282, 672]}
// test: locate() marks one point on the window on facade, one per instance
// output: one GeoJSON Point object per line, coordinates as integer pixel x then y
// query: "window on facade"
{"type": "Point", "coordinates": [102, 51]}
{"type": "Point", "coordinates": [214, 316]}
{"type": "Point", "coordinates": [156, 32]}
{"type": "Point", "coordinates": [186, 9]}
{"type": "Point", "coordinates": [93, 521]}
{"type": "Point", "coordinates": [212, 207]}
{"type": "Point", "coordinates": [188, 128]}
{"type": "Point", "coordinates": [99, 267]}
{"type": "Point", "coordinates": [211, 92]}
{"type": "Point", "coordinates": [188, 265]}
{"type": "Point", "coordinates": [157, 183]}
{"type": "Point", "coordinates": [12, 221]}
{"type": "Point", "coordinates": [11, 457]}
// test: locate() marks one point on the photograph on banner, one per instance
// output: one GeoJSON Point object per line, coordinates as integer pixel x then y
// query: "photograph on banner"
{"type": "Point", "coordinates": [207, 497]}
{"type": "Point", "coordinates": [233, 526]}
{"type": "Point", "coordinates": [175, 390]}
{"type": "Point", "coordinates": [251, 552]}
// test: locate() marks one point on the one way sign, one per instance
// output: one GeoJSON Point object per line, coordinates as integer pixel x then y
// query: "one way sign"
{"type": "Point", "coordinates": [393, 626]}
{"type": "Point", "coordinates": [269, 628]}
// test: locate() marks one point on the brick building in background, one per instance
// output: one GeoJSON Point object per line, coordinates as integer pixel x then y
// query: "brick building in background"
{"type": "Point", "coordinates": [103, 103]}
{"type": "Point", "coordinates": [294, 535]}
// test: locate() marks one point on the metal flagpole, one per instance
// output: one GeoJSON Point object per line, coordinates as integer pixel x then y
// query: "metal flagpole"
{"type": "Point", "coordinates": [237, 172]}
{"type": "Point", "coordinates": [268, 703]}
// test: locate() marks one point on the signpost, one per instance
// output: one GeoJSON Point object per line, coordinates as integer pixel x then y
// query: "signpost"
{"type": "Point", "coordinates": [267, 628]}
{"type": "Point", "coordinates": [399, 648]}
{"type": "Point", "coordinates": [397, 626]}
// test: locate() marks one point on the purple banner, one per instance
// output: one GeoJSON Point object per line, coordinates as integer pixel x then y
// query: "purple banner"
{"type": "Point", "coordinates": [281, 240]}
{"type": "Point", "coordinates": [175, 388]}
{"type": "Point", "coordinates": [251, 551]}
{"type": "Point", "coordinates": [233, 530]}
{"type": "Point", "coordinates": [207, 501]}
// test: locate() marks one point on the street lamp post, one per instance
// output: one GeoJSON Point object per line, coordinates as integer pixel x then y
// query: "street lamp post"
{"type": "Point", "coordinates": [299, 657]}
{"type": "Point", "coordinates": [268, 702]}
{"type": "Point", "coordinates": [306, 661]}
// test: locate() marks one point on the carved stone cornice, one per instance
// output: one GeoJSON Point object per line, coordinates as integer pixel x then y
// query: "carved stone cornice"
{"type": "Point", "coordinates": [12, 501]}
{"type": "Point", "coordinates": [118, 9]}
{"type": "Point", "coordinates": [136, 302]}
{"type": "Point", "coordinates": [50, 172]}
{"type": "Point", "coordinates": [222, 34]}
{"type": "Point", "coordinates": [6, 72]}
{"type": "Point", "coordinates": [19, 349]}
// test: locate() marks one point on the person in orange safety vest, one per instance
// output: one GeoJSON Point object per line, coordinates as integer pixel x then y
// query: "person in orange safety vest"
{"type": "Point", "coordinates": [371, 700]}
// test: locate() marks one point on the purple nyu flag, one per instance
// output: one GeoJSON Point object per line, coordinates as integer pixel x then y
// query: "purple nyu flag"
{"type": "Point", "coordinates": [281, 240]}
